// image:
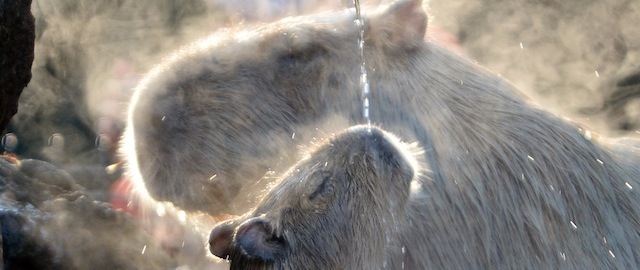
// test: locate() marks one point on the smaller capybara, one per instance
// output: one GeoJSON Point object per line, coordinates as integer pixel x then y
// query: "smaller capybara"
{"type": "Point", "coordinates": [342, 207]}
{"type": "Point", "coordinates": [365, 200]}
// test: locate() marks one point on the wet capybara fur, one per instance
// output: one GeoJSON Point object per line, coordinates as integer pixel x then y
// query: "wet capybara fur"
{"type": "Point", "coordinates": [342, 207]}
{"type": "Point", "coordinates": [513, 186]}
{"type": "Point", "coordinates": [219, 114]}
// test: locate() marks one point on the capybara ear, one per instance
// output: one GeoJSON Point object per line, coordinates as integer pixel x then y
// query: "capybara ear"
{"type": "Point", "coordinates": [400, 25]}
{"type": "Point", "coordinates": [221, 239]}
{"type": "Point", "coordinates": [384, 146]}
{"type": "Point", "coordinates": [257, 239]}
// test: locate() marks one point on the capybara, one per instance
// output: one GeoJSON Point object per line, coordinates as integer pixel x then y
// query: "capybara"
{"type": "Point", "coordinates": [513, 186]}
{"type": "Point", "coordinates": [364, 200]}
{"type": "Point", "coordinates": [342, 207]}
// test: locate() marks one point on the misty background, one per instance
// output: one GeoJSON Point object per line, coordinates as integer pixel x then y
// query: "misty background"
{"type": "Point", "coordinates": [576, 58]}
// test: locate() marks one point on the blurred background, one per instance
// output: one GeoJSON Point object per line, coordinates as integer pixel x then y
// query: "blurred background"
{"type": "Point", "coordinates": [577, 58]}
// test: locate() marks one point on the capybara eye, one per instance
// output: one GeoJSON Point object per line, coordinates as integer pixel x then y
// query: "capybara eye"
{"type": "Point", "coordinates": [322, 189]}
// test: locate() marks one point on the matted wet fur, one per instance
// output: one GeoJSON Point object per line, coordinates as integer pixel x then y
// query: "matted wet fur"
{"type": "Point", "coordinates": [514, 187]}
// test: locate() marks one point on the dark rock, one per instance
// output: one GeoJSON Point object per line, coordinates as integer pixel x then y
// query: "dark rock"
{"type": "Point", "coordinates": [17, 36]}
{"type": "Point", "coordinates": [48, 222]}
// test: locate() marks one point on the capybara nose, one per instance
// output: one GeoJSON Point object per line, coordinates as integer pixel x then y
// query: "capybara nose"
{"type": "Point", "coordinates": [221, 239]}
{"type": "Point", "coordinates": [257, 239]}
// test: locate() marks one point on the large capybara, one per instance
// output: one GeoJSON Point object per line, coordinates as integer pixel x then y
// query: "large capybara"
{"type": "Point", "coordinates": [219, 115]}
{"type": "Point", "coordinates": [513, 186]}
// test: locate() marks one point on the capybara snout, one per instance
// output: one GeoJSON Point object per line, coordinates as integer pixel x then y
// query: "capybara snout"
{"type": "Point", "coordinates": [221, 239]}
{"type": "Point", "coordinates": [254, 238]}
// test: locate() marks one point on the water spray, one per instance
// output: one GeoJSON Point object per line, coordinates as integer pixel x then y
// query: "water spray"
{"type": "Point", "coordinates": [364, 81]}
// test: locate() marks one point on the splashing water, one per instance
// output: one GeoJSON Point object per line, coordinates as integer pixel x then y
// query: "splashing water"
{"type": "Point", "coordinates": [364, 81]}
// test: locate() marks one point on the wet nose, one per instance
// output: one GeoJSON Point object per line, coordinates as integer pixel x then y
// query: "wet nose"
{"type": "Point", "coordinates": [221, 239]}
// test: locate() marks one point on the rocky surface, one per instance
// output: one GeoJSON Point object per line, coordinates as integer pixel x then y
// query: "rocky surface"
{"type": "Point", "coordinates": [49, 222]}
{"type": "Point", "coordinates": [17, 34]}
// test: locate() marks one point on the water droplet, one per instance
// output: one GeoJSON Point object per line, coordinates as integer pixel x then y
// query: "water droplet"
{"type": "Point", "coordinates": [597, 74]}
{"type": "Point", "coordinates": [293, 136]}
{"type": "Point", "coordinates": [564, 256]}
{"type": "Point", "coordinates": [326, 163]}
{"type": "Point", "coordinates": [56, 141]}
{"type": "Point", "coordinates": [212, 177]}
{"type": "Point", "coordinates": [415, 186]}
{"type": "Point", "coordinates": [600, 161]}
{"type": "Point", "coordinates": [113, 168]}
{"type": "Point", "coordinates": [160, 210]}
{"type": "Point", "coordinates": [521, 46]}
{"type": "Point", "coordinates": [628, 185]}
{"type": "Point", "coordinates": [182, 217]}
{"type": "Point", "coordinates": [573, 224]}
{"type": "Point", "coordinates": [163, 118]}
{"type": "Point", "coordinates": [604, 239]}
{"type": "Point", "coordinates": [103, 142]}
{"type": "Point", "coordinates": [530, 158]}
{"type": "Point", "coordinates": [144, 249]}
{"type": "Point", "coordinates": [612, 255]}
{"type": "Point", "coordinates": [9, 142]}
{"type": "Point", "coordinates": [587, 135]}
{"type": "Point", "coordinates": [364, 82]}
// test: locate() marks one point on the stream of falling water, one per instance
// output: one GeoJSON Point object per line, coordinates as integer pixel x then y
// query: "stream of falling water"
{"type": "Point", "coordinates": [364, 81]}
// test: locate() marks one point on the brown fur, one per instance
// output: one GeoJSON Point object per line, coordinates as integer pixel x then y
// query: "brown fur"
{"type": "Point", "coordinates": [513, 186]}
{"type": "Point", "coordinates": [380, 208]}
{"type": "Point", "coordinates": [342, 207]}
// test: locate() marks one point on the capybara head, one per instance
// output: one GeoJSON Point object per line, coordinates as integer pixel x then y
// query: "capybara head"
{"type": "Point", "coordinates": [339, 208]}
{"type": "Point", "coordinates": [219, 114]}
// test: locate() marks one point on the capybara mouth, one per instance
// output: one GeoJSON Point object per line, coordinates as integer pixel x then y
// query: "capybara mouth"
{"type": "Point", "coordinates": [241, 261]}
